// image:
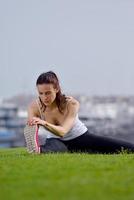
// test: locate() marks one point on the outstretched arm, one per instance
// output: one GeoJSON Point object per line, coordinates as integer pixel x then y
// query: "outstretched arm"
{"type": "Point", "coordinates": [64, 128]}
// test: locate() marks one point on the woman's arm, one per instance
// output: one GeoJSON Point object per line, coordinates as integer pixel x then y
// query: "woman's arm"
{"type": "Point", "coordinates": [32, 112]}
{"type": "Point", "coordinates": [34, 118]}
{"type": "Point", "coordinates": [64, 128]}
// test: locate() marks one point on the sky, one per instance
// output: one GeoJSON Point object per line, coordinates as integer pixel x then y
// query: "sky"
{"type": "Point", "coordinates": [89, 44]}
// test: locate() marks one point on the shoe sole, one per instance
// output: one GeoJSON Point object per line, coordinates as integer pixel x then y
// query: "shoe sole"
{"type": "Point", "coordinates": [31, 138]}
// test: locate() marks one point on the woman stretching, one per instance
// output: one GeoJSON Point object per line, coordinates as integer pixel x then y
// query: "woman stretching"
{"type": "Point", "coordinates": [53, 124]}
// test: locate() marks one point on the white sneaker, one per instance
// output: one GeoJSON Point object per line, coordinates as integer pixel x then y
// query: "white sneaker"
{"type": "Point", "coordinates": [31, 138]}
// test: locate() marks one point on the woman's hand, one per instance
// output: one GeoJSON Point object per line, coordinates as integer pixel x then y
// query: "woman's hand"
{"type": "Point", "coordinates": [36, 120]}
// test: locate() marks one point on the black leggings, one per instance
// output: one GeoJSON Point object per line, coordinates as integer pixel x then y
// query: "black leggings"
{"type": "Point", "coordinates": [88, 143]}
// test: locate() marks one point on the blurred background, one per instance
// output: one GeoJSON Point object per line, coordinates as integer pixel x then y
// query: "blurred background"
{"type": "Point", "coordinates": [89, 44]}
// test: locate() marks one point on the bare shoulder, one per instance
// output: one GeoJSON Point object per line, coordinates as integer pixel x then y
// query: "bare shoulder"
{"type": "Point", "coordinates": [72, 100]}
{"type": "Point", "coordinates": [33, 107]}
{"type": "Point", "coordinates": [72, 103]}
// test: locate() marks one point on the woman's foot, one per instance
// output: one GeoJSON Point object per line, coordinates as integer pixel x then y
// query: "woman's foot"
{"type": "Point", "coordinates": [31, 138]}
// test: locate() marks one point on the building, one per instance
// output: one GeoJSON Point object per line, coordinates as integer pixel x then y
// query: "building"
{"type": "Point", "coordinates": [11, 126]}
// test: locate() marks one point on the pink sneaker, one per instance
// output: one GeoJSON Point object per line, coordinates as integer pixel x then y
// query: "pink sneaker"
{"type": "Point", "coordinates": [31, 138]}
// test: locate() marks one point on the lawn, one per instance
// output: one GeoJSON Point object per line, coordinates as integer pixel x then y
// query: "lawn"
{"type": "Point", "coordinates": [65, 176]}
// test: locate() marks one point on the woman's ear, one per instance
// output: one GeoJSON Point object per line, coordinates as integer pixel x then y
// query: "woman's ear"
{"type": "Point", "coordinates": [57, 90]}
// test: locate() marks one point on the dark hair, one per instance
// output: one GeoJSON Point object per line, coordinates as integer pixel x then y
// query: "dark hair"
{"type": "Point", "coordinates": [51, 78]}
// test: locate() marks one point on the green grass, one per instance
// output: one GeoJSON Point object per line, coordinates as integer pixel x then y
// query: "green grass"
{"type": "Point", "coordinates": [65, 176]}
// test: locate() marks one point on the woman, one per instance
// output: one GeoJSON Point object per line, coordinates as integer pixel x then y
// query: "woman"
{"type": "Point", "coordinates": [54, 126]}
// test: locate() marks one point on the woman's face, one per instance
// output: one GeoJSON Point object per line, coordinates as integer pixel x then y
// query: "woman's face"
{"type": "Point", "coordinates": [47, 93]}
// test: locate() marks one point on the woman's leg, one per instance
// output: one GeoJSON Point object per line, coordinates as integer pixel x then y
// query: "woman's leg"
{"type": "Point", "coordinates": [93, 143]}
{"type": "Point", "coordinates": [53, 145]}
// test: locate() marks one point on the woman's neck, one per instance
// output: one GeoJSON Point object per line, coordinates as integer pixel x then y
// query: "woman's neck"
{"type": "Point", "coordinates": [51, 107]}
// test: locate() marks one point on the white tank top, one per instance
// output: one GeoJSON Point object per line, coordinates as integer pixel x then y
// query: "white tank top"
{"type": "Point", "coordinates": [78, 129]}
